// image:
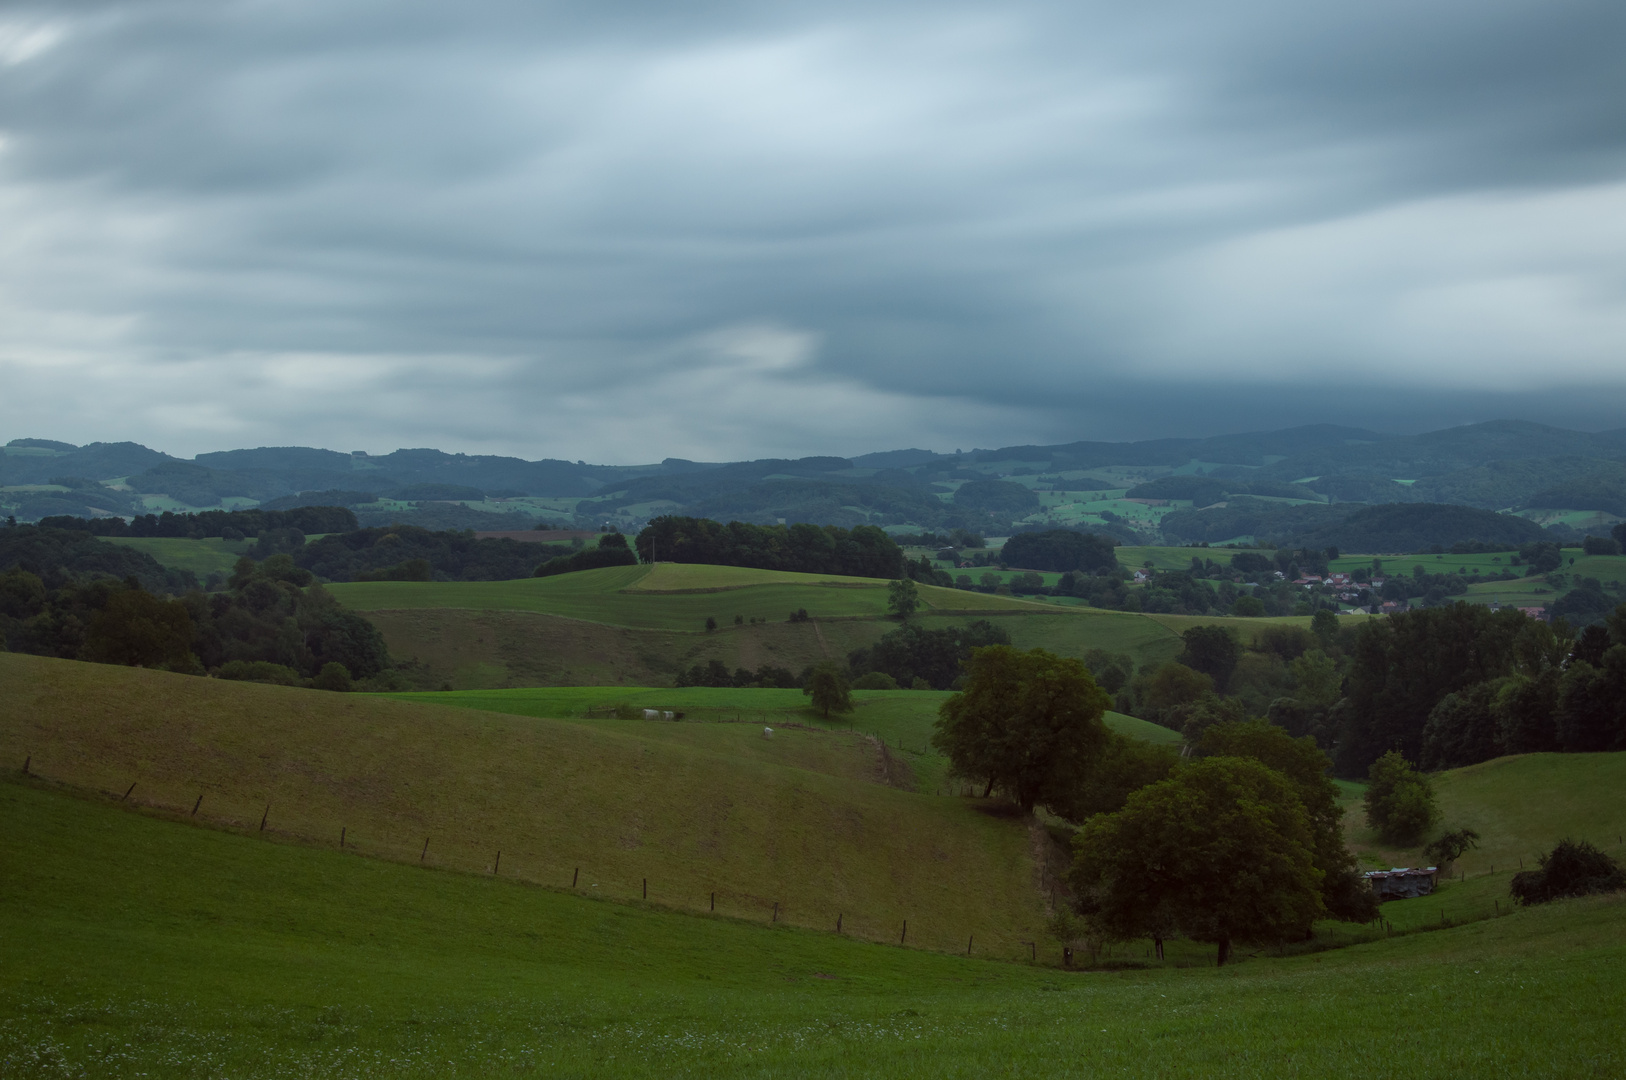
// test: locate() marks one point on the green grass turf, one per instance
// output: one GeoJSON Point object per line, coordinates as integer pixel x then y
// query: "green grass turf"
{"type": "Point", "coordinates": [610, 596]}
{"type": "Point", "coordinates": [806, 820]}
{"type": "Point", "coordinates": [1522, 806]}
{"type": "Point", "coordinates": [131, 947]}
{"type": "Point", "coordinates": [202, 557]}
{"type": "Point", "coordinates": [1171, 558]}
{"type": "Point", "coordinates": [903, 719]}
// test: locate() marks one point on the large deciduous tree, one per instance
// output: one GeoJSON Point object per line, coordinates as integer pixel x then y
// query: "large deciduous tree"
{"type": "Point", "coordinates": [902, 598]}
{"type": "Point", "coordinates": [1029, 723]}
{"type": "Point", "coordinates": [1399, 800]}
{"type": "Point", "coordinates": [1211, 650]}
{"type": "Point", "coordinates": [1222, 851]}
{"type": "Point", "coordinates": [1344, 889]}
{"type": "Point", "coordinates": [828, 687]}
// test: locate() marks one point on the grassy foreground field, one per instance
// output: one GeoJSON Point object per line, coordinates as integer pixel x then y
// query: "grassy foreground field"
{"type": "Point", "coordinates": [136, 947]}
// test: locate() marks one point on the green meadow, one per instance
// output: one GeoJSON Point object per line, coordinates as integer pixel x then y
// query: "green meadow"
{"type": "Point", "coordinates": [134, 943]}
{"type": "Point", "coordinates": [202, 557]}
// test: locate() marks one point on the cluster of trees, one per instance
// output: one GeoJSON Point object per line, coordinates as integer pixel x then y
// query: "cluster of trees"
{"type": "Point", "coordinates": [864, 551]}
{"type": "Point", "coordinates": [1061, 550]}
{"type": "Point", "coordinates": [59, 556]}
{"type": "Point", "coordinates": [271, 623]}
{"type": "Point", "coordinates": [716, 673]}
{"type": "Point", "coordinates": [1242, 843]}
{"type": "Point", "coordinates": [231, 524]}
{"type": "Point", "coordinates": [934, 657]}
{"type": "Point", "coordinates": [1454, 685]}
{"type": "Point", "coordinates": [1556, 693]}
{"type": "Point", "coordinates": [1443, 686]}
{"type": "Point", "coordinates": [998, 498]}
{"type": "Point", "coordinates": [406, 553]}
{"type": "Point", "coordinates": [612, 550]}
{"type": "Point", "coordinates": [1205, 491]}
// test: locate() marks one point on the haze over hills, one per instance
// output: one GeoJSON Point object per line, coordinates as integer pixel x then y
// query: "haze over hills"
{"type": "Point", "coordinates": [1280, 485]}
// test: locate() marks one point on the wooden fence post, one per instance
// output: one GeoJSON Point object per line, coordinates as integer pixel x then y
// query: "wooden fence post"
{"type": "Point", "coordinates": [196, 805]}
{"type": "Point", "coordinates": [264, 816]}
{"type": "Point", "coordinates": [968, 942]}
{"type": "Point", "coordinates": [425, 850]}
{"type": "Point", "coordinates": [839, 916]}
{"type": "Point", "coordinates": [714, 901]}
{"type": "Point", "coordinates": [776, 911]}
{"type": "Point", "coordinates": [575, 877]}
{"type": "Point", "coordinates": [905, 935]}
{"type": "Point", "coordinates": [27, 761]}
{"type": "Point", "coordinates": [496, 864]}
{"type": "Point", "coordinates": [127, 792]}
{"type": "Point", "coordinates": [646, 888]}
{"type": "Point", "coordinates": [342, 830]}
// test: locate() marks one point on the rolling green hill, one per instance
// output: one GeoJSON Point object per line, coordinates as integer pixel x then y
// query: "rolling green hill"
{"type": "Point", "coordinates": [806, 820]}
{"type": "Point", "coordinates": [640, 596]}
{"type": "Point", "coordinates": [640, 625]}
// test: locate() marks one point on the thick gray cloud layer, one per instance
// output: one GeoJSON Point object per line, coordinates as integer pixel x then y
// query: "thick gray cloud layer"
{"type": "Point", "coordinates": [726, 230]}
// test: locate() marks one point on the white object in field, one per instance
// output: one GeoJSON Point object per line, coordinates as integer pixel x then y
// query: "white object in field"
{"type": "Point", "coordinates": [652, 714]}
{"type": "Point", "coordinates": [767, 733]}
{"type": "Point", "coordinates": [668, 715]}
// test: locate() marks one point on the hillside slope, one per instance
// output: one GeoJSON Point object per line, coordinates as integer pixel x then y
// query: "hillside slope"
{"type": "Point", "coordinates": [805, 824]}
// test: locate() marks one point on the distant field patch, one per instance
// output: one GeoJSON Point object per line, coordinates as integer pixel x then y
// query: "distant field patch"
{"type": "Point", "coordinates": [1171, 558]}
{"type": "Point", "coordinates": [203, 557]}
{"type": "Point", "coordinates": [676, 577]}
{"type": "Point", "coordinates": [614, 595]}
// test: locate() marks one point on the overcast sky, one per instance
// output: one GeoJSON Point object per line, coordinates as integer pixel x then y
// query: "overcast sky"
{"type": "Point", "coordinates": [623, 231]}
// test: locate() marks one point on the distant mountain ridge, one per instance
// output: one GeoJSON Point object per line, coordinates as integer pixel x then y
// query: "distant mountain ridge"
{"type": "Point", "coordinates": [1312, 475]}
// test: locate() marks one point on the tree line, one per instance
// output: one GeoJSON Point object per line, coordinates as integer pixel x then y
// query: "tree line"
{"type": "Point", "coordinates": [271, 623]}
{"type": "Point", "coordinates": [231, 524]}
{"type": "Point", "coordinates": [863, 551]}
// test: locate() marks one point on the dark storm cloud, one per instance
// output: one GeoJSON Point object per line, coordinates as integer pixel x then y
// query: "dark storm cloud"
{"type": "Point", "coordinates": [714, 230]}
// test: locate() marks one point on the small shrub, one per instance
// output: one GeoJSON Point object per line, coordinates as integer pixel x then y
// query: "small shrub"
{"type": "Point", "coordinates": [1450, 847]}
{"type": "Point", "coordinates": [333, 676]}
{"type": "Point", "coordinates": [875, 680]}
{"type": "Point", "coordinates": [739, 620]}
{"type": "Point", "coordinates": [1570, 869]}
{"type": "Point", "coordinates": [259, 671]}
{"type": "Point", "coordinates": [920, 684]}
{"type": "Point", "coordinates": [711, 624]}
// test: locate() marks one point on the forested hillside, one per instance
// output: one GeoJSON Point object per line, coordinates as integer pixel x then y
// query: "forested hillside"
{"type": "Point", "coordinates": [1285, 487]}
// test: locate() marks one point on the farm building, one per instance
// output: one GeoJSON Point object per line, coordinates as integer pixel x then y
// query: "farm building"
{"type": "Point", "coordinates": [1402, 882]}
